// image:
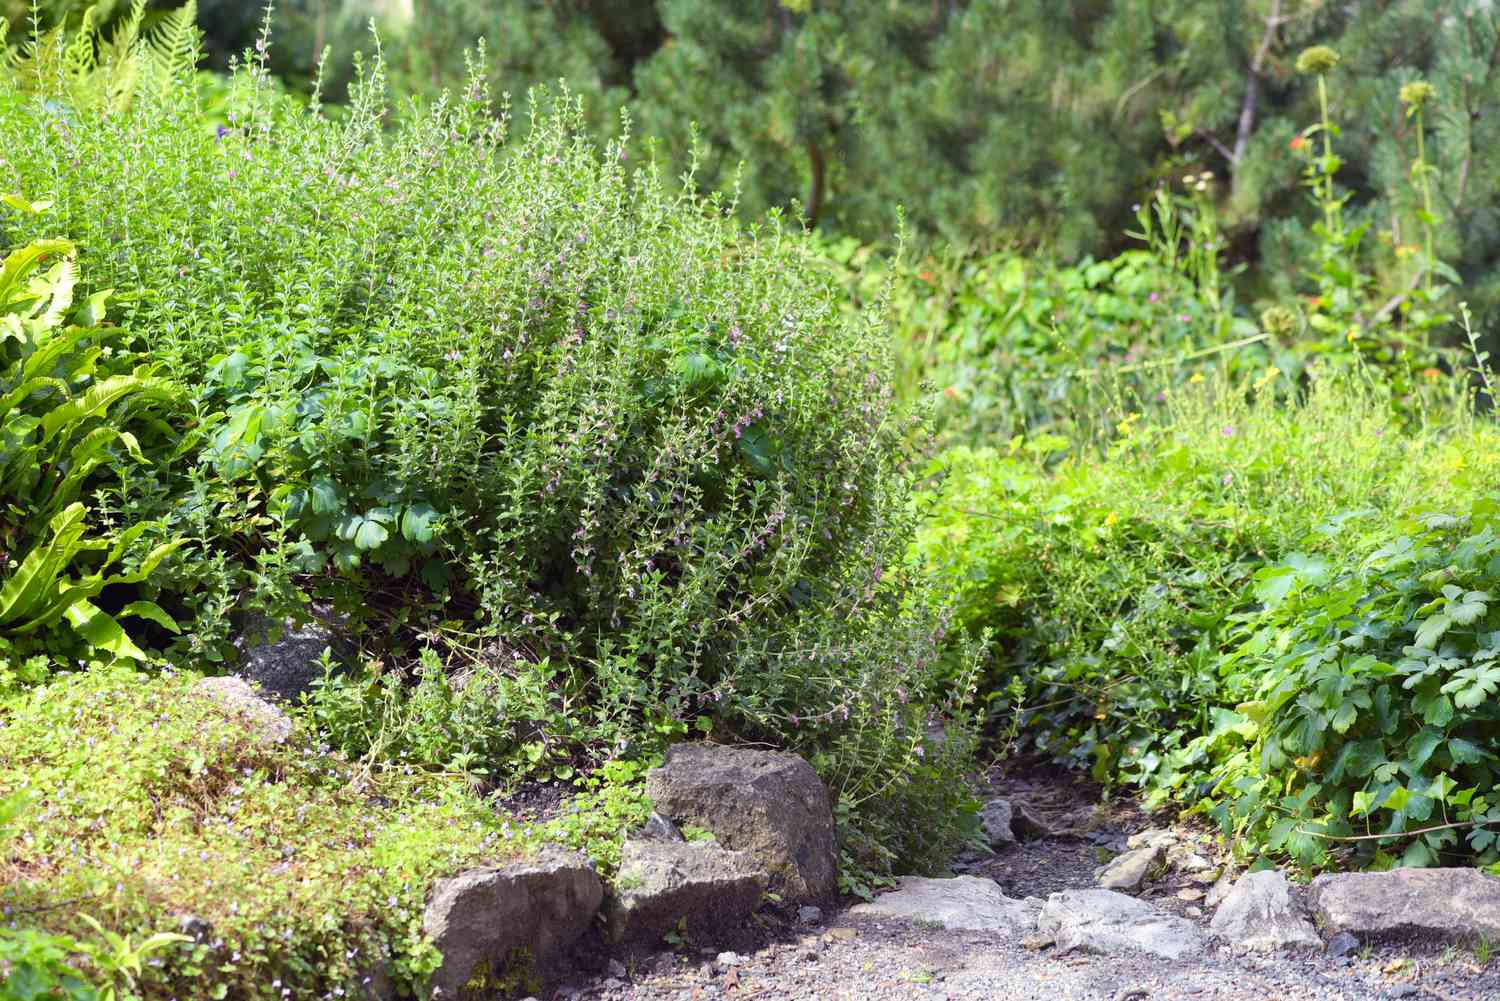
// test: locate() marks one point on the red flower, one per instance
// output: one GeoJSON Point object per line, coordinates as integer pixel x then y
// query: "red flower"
{"type": "Point", "coordinates": [1298, 142]}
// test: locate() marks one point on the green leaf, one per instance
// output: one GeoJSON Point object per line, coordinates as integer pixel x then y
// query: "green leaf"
{"type": "Point", "coordinates": [369, 534]}
{"type": "Point", "coordinates": [1421, 746]}
{"type": "Point", "coordinates": [152, 611]}
{"type": "Point", "coordinates": [102, 631]}
{"type": "Point", "coordinates": [1431, 630]}
{"type": "Point", "coordinates": [323, 494]}
{"type": "Point", "coordinates": [418, 522]}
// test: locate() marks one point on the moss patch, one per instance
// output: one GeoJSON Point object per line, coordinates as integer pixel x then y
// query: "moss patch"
{"type": "Point", "coordinates": [149, 804]}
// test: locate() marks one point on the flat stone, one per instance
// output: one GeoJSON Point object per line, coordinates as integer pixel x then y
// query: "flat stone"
{"type": "Point", "coordinates": [238, 698]}
{"type": "Point", "coordinates": [1106, 922]}
{"type": "Point", "coordinates": [768, 803]}
{"type": "Point", "coordinates": [1129, 871]}
{"type": "Point", "coordinates": [660, 884]}
{"type": "Point", "coordinates": [1260, 914]}
{"type": "Point", "coordinates": [961, 903]}
{"type": "Point", "coordinates": [1184, 859]}
{"type": "Point", "coordinates": [1453, 905]}
{"type": "Point", "coordinates": [1153, 837]}
{"type": "Point", "coordinates": [479, 918]}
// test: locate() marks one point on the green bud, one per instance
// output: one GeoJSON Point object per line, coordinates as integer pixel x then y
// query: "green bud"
{"type": "Point", "coordinates": [1319, 59]}
{"type": "Point", "coordinates": [1417, 93]}
{"type": "Point", "coordinates": [1279, 321]}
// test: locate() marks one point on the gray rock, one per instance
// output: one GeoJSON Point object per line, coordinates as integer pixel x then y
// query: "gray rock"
{"type": "Point", "coordinates": [1260, 914]}
{"type": "Point", "coordinates": [962, 903]}
{"type": "Point", "coordinates": [995, 818]}
{"type": "Point", "coordinates": [270, 725]}
{"type": "Point", "coordinates": [659, 828]}
{"type": "Point", "coordinates": [810, 915]}
{"type": "Point", "coordinates": [1129, 871]}
{"type": "Point", "coordinates": [1341, 945]}
{"type": "Point", "coordinates": [768, 803]}
{"type": "Point", "coordinates": [661, 883]}
{"type": "Point", "coordinates": [1153, 837]}
{"type": "Point", "coordinates": [1104, 922]}
{"type": "Point", "coordinates": [1220, 889]}
{"type": "Point", "coordinates": [1005, 823]}
{"type": "Point", "coordinates": [479, 918]}
{"type": "Point", "coordinates": [285, 657]}
{"type": "Point", "coordinates": [1184, 859]}
{"type": "Point", "coordinates": [1446, 904]}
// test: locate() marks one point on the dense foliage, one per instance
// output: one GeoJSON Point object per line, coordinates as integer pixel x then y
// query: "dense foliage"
{"type": "Point", "coordinates": [990, 121]}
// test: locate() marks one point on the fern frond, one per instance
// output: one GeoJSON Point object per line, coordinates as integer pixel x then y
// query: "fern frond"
{"type": "Point", "coordinates": [170, 51]}
{"type": "Point", "coordinates": [79, 59]}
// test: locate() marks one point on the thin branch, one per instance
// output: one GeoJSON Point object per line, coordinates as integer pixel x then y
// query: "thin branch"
{"type": "Point", "coordinates": [1400, 834]}
{"type": "Point", "coordinates": [1274, 21]}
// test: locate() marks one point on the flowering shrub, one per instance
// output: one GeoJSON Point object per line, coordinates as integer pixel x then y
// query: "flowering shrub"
{"type": "Point", "coordinates": [519, 399]}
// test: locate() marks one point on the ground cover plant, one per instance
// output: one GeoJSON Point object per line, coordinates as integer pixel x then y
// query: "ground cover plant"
{"type": "Point", "coordinates": [297, 869]}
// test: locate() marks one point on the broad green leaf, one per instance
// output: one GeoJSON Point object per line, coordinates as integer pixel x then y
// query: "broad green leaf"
{"type": "Point", "coordinates": [152, 611]}
{"type": "Point", "coordinates": [418, 521]}
{"type": "Point", "coordinates": [369, 534]}
{"type": "Point", "coordinates": [1431, 630]}
{"type": "Point", "coordinates": [102, 631]}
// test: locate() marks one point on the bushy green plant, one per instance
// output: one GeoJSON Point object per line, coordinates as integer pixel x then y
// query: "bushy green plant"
{"type": "Point", "coordinates": [69, 397]}
{"type": "Point", "coordinates": [1010, 343]}
{"type": "Point", "coordinates": [519, 390]}
{"type": "Point", "coordinates": [1369, 711]}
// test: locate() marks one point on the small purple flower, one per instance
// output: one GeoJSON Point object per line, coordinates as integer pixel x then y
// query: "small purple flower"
{"type": "Point", "coordinates": [1184, 318]}
{"type": "Point", "coordinates": [221, 132]}
{"type": "Point", "coordinates": [1154, 297]}
{"type": "Point", "coordinates": [1228, 431]}
{"type": "Point", "coordinates": [1228, 478]}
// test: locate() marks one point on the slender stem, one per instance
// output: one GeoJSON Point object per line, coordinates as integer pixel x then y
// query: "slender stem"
{"type": "Point", "coordinates": [1328, 204]}
{"type": "Point", "coordinates": [1426, 206]}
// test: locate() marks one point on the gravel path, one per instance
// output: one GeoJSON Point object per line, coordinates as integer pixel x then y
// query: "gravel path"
{"type": "Point", "coordinates": [855, 958]}
{"type": "Point", "coordinates": [859, 960]}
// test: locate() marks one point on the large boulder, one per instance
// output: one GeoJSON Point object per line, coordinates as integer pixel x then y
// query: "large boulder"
{"type": "Point", "coordinates": [1106, 922]}
{"type": "Point", "coordinates": [480, 918]}
{"type": "Point", "coordinates": [661, 883]}
{"type": "Point", "coordinates": [238, 699]}
{"type": "Point", "coordinates": [768, 803]}
{"type": "Point", "coordinates": [1447, 904]}
{"type": "Point", "coordinates": [284, 656]}
{"type": "Point", "coordinates": [962, 903]}
{"type": "Point", "coordinates": [1259, 913]}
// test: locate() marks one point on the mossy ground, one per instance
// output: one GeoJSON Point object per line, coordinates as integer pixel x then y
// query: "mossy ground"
{"type": "Point", "coordinates": [148, 804]}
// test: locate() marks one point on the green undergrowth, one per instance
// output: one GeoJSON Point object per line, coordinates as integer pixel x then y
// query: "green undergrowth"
{"type": "Point", "coordinates": [143, 804]}
{"type": "Point", "coordinates": [1127, 589]}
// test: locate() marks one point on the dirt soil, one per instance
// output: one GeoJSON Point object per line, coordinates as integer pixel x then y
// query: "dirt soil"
{"type": "Point", "coordinates": [847, 958]}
